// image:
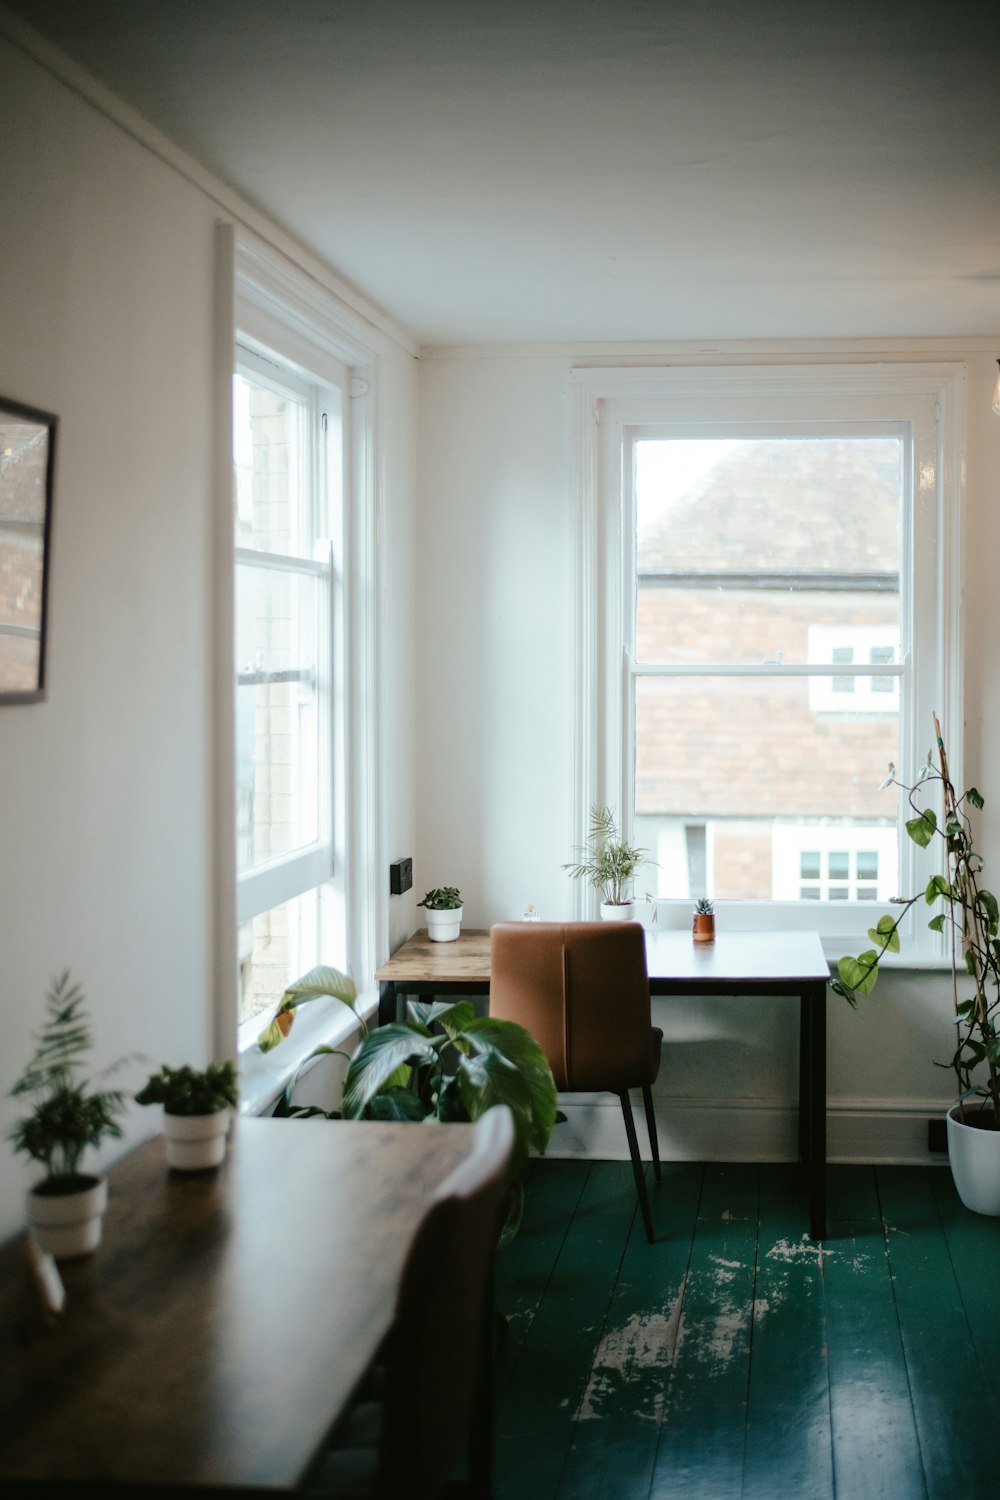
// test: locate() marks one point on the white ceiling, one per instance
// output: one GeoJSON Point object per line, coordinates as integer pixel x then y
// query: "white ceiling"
{"type": "Point", "coordinates": [581, 170]}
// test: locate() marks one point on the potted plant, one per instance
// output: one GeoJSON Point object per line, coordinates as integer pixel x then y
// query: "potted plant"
{"type": "Point", "coordinates": [703, 923]}
{"type": "Point", "coordinates": [442, 1063]}
{"type": "Point", "coordinates": [443, 905]}
{"type": "Point", "coordinates": [197, 1107]}
{"type": "Point", "coordinates": [67, 1115]}
{"type": "Point", "coordinates": [610, 865]}
{"type": "Point", "coordinates": [970, 917]}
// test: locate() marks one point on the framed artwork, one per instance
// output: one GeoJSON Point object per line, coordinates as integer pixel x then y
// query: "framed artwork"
{"type": "Point", "coordinates": [27, 457]}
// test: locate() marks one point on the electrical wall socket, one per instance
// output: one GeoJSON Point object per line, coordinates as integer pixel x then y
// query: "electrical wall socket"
{"type": "Point", "coordinates": [400, 876]}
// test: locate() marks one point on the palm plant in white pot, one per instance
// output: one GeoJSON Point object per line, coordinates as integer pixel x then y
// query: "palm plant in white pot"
{"type": "Point", "coordinates": [67, 1116]}
{"type": "Point", "coordinates": [609, 864]}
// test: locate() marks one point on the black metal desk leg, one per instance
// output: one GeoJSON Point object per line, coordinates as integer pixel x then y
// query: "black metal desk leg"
{"type": "Point", "coordinates": [387, 1002]}
{"type": "Point", "coordinates": [815, 999]}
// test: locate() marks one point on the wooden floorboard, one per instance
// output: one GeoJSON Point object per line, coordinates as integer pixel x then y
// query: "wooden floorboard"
{"type": "Point", "coordinates": [553, 1366]}
{"type": "Point", "coordinates": [618, 1419]}
{"type": "Point", "coordinates": [876, 1453]}
{"type": "Point", "coordinates": [788, 1437]}
{"type": "Point", "coordinates": [951, 1403]}
{"type": "Point", "coordinates": [735, 1359]}
{"type": "Point", "coordinates": [702, 1436]}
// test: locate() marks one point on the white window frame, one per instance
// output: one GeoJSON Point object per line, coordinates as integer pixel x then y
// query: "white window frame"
{"type": "Point", "coordinates": [278, 309]}
{"type": "Point", "coordinates": [923, 401]}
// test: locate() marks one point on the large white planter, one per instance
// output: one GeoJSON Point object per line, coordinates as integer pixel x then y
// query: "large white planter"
{"type": "Point", "coordinates": [617, 911]}
{"type": "Point", "coordinates": [974, 1154]}
{"type": "Point", "coordinates": [444, 926]}
{"type": "Point", "coordinates": [196, 1142]}
{"type": "Point", "coordinates": [68, 1224]}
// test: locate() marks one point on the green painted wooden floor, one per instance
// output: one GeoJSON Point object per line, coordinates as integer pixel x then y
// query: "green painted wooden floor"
{"type": "Point", "coordinates": [735, 1359]}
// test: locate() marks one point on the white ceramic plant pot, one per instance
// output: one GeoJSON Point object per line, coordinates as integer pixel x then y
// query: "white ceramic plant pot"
{"type": "Point", "coordinates": [974, 1154]}
{"type": "Point", "coordinates": [196, 1142]}
{"type": "Point", "coordinates": [617, 911]}
{"type": "Point", "coordinates": [444, 926]}
{"type": "Point", "coordinates": [68, 1224]}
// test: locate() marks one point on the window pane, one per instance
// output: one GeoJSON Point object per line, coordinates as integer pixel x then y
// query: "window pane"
{"type": "Point", "coordinates": [775, 783]}
{"type": "Point", "coordinates": [277, 721]}
{"type": "Point", "coordinates": [270, 449]}
{"type": "Point", "coordinates": [730, 563]}
{"type": "Point", "coordinates": [276, 948]}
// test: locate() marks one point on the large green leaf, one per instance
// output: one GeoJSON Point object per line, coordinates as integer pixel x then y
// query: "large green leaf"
{"type": "Point", "coordinates": [885, 934]}
{"type": "Point", "coordinates": [397, 1104]}
{"type": "Point", "coordinates": [452, 1016]}
{"type": "Point", "coordinates": [923, 828]}
{"type": "Point", "coordinates": [323, 980]}
{"type": "Point", "coordinates": [859, 973]}
{"type": "Point", "coordinates": [378, 1057]}
{"type": "Point", "coordinates": [507, 1066]}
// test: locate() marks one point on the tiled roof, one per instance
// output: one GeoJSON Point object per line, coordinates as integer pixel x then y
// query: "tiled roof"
{"type": "Point", "coordinates": [811, 505]}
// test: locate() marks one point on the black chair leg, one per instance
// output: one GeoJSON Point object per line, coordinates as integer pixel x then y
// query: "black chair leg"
{"type": "Point", "coordinates": [640, 1176]}
{"type": "Point", "coordinates": [654, 1144]}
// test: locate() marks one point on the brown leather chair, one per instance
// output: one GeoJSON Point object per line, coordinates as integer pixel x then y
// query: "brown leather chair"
{"type": "Point", "coordinates": [582, 991]}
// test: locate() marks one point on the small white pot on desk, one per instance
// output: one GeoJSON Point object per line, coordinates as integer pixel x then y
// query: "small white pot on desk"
{"type": "Point", "coordinates": [196, 1142]}
{"type": "Point", "coordinates": [68, 1224]}
{"type": "Point", "coordinates": [444, 926]}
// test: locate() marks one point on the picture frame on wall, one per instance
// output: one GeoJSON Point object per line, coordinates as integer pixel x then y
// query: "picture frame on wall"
{"type": "Point", "coordinates": [27, 466]}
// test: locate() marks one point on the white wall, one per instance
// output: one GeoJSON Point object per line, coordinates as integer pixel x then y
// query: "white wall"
{"type": "Point", "coordinates": [495, 746]}
{"type": "Point", "coordinates": [107, 864]}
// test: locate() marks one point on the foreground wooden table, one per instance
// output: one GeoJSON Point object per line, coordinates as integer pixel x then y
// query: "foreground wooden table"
{"type": "Point", "coordinates": [737, 963]}
{"type": "Point", "coordinates": [223, 1323]}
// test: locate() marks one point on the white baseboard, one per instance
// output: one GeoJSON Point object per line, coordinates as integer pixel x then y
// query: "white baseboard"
{"type": "Point", "coordinates": [858, 1130]}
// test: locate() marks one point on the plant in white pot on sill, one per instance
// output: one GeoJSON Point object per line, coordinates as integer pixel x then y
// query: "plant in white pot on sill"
{"type": "Point", "coordinates": [610, 864]}
{"type": "Point", "coordinates": [969, 915]}
{"type": "Point", "coordinates": [443, 906]}
{"type": "Point", "coordinates": [197, 1108]}
{"type": "Point", "coordinates": [67, 1116]}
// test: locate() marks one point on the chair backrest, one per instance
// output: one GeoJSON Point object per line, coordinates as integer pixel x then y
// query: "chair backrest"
{"type": "Point", "coordinates": [442, 1319]}
{"type": "Point", "coordinates": [581, 989]}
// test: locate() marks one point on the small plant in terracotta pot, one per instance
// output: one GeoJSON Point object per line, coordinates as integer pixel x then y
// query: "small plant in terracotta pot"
{"type": "Point", "coordinates": [703, 923]}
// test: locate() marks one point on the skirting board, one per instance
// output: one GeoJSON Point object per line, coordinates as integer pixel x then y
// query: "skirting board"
{"type": "Point", "coordinates": [858, 1130]}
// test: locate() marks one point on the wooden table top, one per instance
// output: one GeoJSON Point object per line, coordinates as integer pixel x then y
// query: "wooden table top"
{"type": "Point", "coordinates": [224, 1320]}
{"type": "Point", "coordinates": [739, 957]}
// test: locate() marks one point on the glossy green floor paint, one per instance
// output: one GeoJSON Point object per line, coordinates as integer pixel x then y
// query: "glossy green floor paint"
{"type": "Point", "coordinates": [735, 1359]}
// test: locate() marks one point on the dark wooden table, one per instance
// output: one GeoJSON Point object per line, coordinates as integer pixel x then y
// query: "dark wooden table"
{"type": "Point", "coordinates": [737, 963]}
{"type": "Point", "coordinates": [222, 1325]}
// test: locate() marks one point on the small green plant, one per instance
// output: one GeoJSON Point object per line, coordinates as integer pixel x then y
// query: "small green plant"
{"type": "Point", "coordinates": [971, 919]}
{"type": "Point", "coordinates": [67, 1115]}
{"type": "Point", "coordinates": [188, 1091]}
{"type": "Point", "coordinates": [606, 860]}
{"type": "Point", "coordinates": [442, 898]}
{"type": "Point", "coordinates": [704, 907]}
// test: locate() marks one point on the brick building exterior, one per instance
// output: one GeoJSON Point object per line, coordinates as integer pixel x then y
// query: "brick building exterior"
{"type": "Point", "coordinates": [786, 551]}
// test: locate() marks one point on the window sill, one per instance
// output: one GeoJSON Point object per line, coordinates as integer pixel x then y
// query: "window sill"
{"type": "Point", "coordinates": [322, 1023]}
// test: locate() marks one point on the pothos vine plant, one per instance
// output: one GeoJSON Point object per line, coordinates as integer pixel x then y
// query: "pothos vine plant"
{"type": "Point", "coordinates": [970, 918]}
